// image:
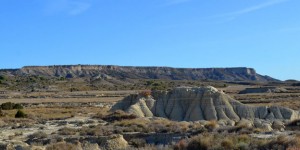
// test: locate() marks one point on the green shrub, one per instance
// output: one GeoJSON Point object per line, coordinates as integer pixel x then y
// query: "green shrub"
{"type": "Point", "coordinates": [7, 106]}
{"type": "Point", "coordinates": [20, 114]}
{"type": "Point", "coordinates": [2, 78]}
{"type": "Point", "coordinates": [10, 106]}
{"type": "Point", "coordinates": [17, 106]}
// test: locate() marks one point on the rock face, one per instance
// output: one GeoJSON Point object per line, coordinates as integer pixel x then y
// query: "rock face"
{"type": "Point", "coordinates": [203, 103]}
{"type": "Point", "coordinates": [121, 72]}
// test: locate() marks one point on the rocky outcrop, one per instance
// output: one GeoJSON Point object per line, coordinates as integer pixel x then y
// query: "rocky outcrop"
{"type": "Point", "coordinates": [121, 72]}
{"type": "Point", "coordinates": [203, 103]}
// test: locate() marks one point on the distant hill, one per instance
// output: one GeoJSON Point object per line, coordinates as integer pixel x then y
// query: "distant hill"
{"type": "Point", "coordinates": [127, 72]}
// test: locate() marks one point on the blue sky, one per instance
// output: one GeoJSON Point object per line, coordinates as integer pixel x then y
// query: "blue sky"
{"type": "Point", "coordinates": [262, 34]}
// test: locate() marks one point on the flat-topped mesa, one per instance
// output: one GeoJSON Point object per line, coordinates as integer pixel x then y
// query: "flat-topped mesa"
{"type": "Point", "coordinates": [199, 103]}
{"type": "Point", "coordinates": [132, 72]}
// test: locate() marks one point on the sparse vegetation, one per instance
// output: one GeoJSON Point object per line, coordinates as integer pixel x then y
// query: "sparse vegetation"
{"type": "Point", "coordinates": [63, 146]}
{"type": "Point", "coordinates": [67, 131]}
{"type": "Point", "coordinates": [236, 141]}
{"type": "Point", "coordinates": [145, 93]}
{"type": "Point", "coordinates": [98, 130]}
{"type": "Point", "coordinates": [116, 116]}
{"type": "Point", "coordinates": [17, 106]}
{"type": "Point", "coordinates": [10, 105]}
{"type": "Point", "coordinates": [7, 106]}
{"type": "Point", "coordinates": [138, 143]}
{"type": "Point", "coordinates": [227, 144]}
{"type": "Point", "coordinates": [181, 145]}
{"type": "Point", "coordinates": [200, 142]}
{"type": "Point", "coordinates": [38, 135]}
{"type": "Point", "coordinates": [211, 125]}
{"type": "Point", "coordinates": [2, 114]}
{"type": "Point", "coordinates": [52, 109]}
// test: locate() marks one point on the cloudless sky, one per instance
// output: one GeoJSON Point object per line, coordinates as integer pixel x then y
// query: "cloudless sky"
{"type": "Point", "coordinates": [262, 34]}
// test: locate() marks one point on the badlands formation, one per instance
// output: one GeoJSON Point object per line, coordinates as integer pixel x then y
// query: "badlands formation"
{"type": "Point", "coordinates": [201, 103]}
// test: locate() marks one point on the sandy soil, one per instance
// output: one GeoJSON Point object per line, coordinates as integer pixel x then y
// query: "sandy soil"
{"type": "Point", "coordinates": [46, 100]}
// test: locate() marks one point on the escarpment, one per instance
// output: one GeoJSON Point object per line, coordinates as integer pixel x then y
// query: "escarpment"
{"type": "Point", "coordinates": [131, 72]}
{"type": "Point", "coordinates": [202, 103]}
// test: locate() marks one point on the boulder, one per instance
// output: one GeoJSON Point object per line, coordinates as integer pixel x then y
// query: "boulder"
{"type": "Point", "coordinates": [222, 123]}
{"type": "Point", "coordinates": [266, 127]}
{"type": "Point", "coordinates": [257, 123]}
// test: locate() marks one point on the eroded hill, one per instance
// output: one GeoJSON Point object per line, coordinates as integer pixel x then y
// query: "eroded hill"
{"type": "Point", "coordinates": [199, 103]}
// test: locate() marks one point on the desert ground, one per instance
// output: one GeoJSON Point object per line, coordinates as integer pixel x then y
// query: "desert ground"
{"type": "Point", "coordinates": [83, 120]}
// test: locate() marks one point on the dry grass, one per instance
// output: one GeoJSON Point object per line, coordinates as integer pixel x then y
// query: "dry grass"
{"type": "Point", "coordinates": [133, 125]}
{"type": "Point", "coordinates": [157, 126]}
{"type": "Point", "coordinates": [200, 142]}
{"type": "Point", "coordinates": [60, 100]}
{"type": "Point", "coordinates": [118, 115]}
{"type": "Point", "coordinates": [181, 145]}
{"type": "Point", "coordinates": [283, 142]}
{"type": "Point", "coordinates": [227, 144]}
{"type": "Point", "coordinates": [237, 141]}
{"type": "Point", "coordinates": [138, 143]}
{"type": "Point", "coordinates": [67, 131]}
{"type": "Point", "coordinates": [38, 135]}
{"type": "Point", "coordinates": [211, 125]}
{"type": "Point", "coordinates": [49, 113]}
{"type": "Point", "coordinates": [11, 121]}
{"type": "Point", "coordinates": [243, 138]}
{"type": "Point", "coordinates": [97, 130]}
{"type": "Point", "coordinates": [63, 146]}
{"type": "Point", "coordinates": [165, 125]}
{"type": "Point", "coordinates": [88, 131]}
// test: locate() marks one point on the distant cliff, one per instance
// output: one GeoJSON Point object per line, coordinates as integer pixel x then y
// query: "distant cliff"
{"type": "Point", "coordinates": [123, 72]}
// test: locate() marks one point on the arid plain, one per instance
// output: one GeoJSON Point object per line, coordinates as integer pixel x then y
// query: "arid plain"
{"type": "Point", "coordinates": [73, 112]}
